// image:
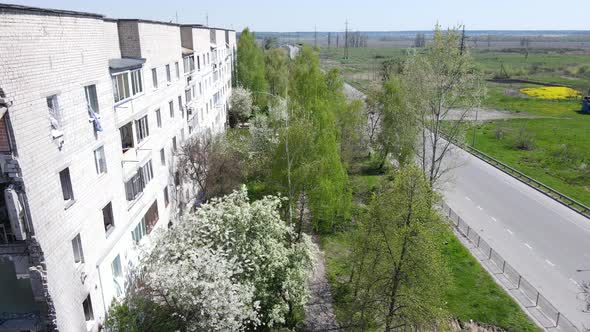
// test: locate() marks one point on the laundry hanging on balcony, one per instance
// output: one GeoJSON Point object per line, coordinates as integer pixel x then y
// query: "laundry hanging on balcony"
{"type": "Point", "coordinates": [94, 118]}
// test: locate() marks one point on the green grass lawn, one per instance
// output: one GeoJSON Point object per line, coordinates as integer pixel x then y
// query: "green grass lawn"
{"type": "Point", "coordinates": [561, 156]}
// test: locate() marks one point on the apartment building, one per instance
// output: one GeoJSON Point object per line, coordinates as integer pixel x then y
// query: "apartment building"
{"type": "Point", "coordinates": [92, 110]}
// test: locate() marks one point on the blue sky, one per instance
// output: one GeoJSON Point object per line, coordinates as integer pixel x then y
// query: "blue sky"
{"type": "Point", "coordinates": [329, 15]}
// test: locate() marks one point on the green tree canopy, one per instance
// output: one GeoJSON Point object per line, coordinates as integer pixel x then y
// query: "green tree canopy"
{"type": "Point", "coordinates": [250, 67]}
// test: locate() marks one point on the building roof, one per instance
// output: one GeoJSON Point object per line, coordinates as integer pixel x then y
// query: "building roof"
{"type": "Point", "coordinates": [126, 63]}
{"type": "Point", "coordinates": [48, 11]}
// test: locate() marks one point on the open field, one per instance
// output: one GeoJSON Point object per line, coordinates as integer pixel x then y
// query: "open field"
{"type": "Point", "coordinates": [560, 157]}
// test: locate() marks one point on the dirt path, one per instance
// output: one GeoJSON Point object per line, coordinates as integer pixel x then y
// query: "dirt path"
{"type": "Point", "coordinates": [319, 312]}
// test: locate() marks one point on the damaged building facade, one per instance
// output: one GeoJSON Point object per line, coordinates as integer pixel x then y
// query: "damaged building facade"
{"type": "Point", "coordinates": [92, 111]}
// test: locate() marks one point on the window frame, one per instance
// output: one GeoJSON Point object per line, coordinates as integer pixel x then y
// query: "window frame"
{"type": "Point", "coordinates": [163, 157]}
{"type": "Point", "coordinates": [177, 68]}
{"type": "Point", "coordinates": [87, 308]}
{"type": "Point", "coordinates": [159, 118]}
{"type": "Point", "coordinates": [171, 107]}
{"type": "Point", "coordinates": [168, 74]}
{"type": "Point", "coordinates": [100, 164]}
{"type": "Point", "coordinates": [142, 129]}
{"type": "Point", "coordinates": [155, 78]}
{"type": "Point", "coordinates": [107, 213]}
{"type": "Point", "coordinates": [68, 190]}
{"type": "Point", "coordinates": [78, 250]}
{"type": "Point", "coordinates": [91, 94]}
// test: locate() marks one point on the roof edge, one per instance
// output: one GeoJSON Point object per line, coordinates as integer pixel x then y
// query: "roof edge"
{"type": "Point", "coordinates": [49, 11]}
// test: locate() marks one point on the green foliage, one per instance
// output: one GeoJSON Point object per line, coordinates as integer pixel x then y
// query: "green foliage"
{"type": "Point", "coordinates": [277, 74]}
{"type": "Point", "coordinates": [399, 275]}
{"type": "Point", "coordinates": [250, 67]}
{"type": "Point", "coordinates": [352, 125]}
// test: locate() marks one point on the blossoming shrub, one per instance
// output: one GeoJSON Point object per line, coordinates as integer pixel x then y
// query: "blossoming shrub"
{"type": "Point", "coordinates": [231, 265]}
{"type": "Point", "coordinates": [551, 92]}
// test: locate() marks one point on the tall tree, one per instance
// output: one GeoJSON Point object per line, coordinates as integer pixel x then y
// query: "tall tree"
{"type": "Point", "coordinates": [398, 125]}
{"type": "Point", "coordinates": [240, 106]}
{"type": "Point", "coordinates": [277, 73]}
{"type": "Point", "coordinates": [399, 273]}
{"type": "Point", "coordinates": [250, 67]}
{"type": "Point", "coordinates": [441, 79]}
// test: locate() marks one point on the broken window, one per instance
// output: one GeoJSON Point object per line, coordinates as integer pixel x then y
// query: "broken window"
{"type": "Point", "coordinates": [55, 116]}
{"type": "Point", "coordinates": [126, 137]}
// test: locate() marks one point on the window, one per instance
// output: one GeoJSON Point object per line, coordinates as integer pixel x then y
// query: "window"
{"type": "Point", "coordinates": [134, 186]}
{"type": "Point", "coordinates": [54, 112]}
{"type": "Point", "coordinates": [136, 82]}
{"type": "Point", "coordinates": [66, 185]}
{"type": "Point", "coordinates": [139, 231]}
{"type": "Point", "coordinates": [100, 161]}
{"type": "Point", "coordinates": [107, 217]}
{"type": "Point", "coordinates": [187, 95]}
{"type": "Point", "coordinates": [151, 217]}
{"type": "Point", "coordinates": [154, 78]}
{"type": "Point", "coordinates": [177, 67]}
{"type": "Point", "coordinates": [199, 62]}
{"type": "Point", "coordinates": [116, 267]}
{"type": "Point", "coordinates": [142, 128]}
{"type": "Point", "coordinates": [166, 199]}
{"type": "Point", "coordinates": [159, 118]}
{"type": "Point", "coordinates": [87, 306]}
{"type": "Point", "coordinates": [126, 137]}
{"type": "Point", "coordinates": [180, 106]}
{"type": "Point", "coordinates": [77, 248]}
{"type": "Point", "coordinates": [91, 98]}
{"type": "Point", "coordinates": [174, 143]}
{"type": "Point", "coordinates": [148, 171]}
{"type": "Point", "coordinates": [189, 63]}
{"type": "Point", "coordinates": [168, 76]}
{"type": "Point", "coordinates": [163, 157]}
{"type": "Point", "coordinates": [171, 105]}
{"type": "Point", "coordinates": [121, 86]}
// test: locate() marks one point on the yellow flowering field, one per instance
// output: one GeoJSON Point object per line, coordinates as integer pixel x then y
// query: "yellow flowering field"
{"type": "Point", "coordinates": [551, 92]}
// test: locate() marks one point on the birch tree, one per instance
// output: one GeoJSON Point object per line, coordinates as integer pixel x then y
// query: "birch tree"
{"type": "Point", "coordinates": [399, 275]}
{"type": "Point", "coordinates": [444, 87]}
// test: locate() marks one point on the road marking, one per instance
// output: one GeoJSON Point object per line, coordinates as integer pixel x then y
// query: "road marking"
{"type": "Point", "coordinates": [549, 262]}
{"type": "Point", "coordinates": [494, 219]}
{"type": "Point", "coordinates": [480, 208]}
{"type": "Point", "coordinates": [467, 198]}
{"type": "Point", "coordinates": [528, 246]}
{"type": "Point", "coordinates": [574, 282]}
{"type": "Point", "coordinates": [509, 231]}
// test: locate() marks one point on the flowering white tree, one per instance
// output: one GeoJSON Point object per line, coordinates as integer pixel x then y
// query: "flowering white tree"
{"type": "Point", "coordinates": [229, 266]}
{"type": "Point", "coordinates": [240, 105]}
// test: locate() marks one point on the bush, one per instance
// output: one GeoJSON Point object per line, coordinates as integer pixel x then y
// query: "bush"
{"type": "Point", "coordinates": [525, 140]}
{"type": "Point", "coordinates": [500, 133]}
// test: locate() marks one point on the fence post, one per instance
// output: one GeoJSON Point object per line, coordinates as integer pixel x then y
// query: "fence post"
{"type": "Point", "coordinates": [468, 228]}
{"type": "Point", "coordinates": [490, 255]}
{"type": "Point", "coordinates": [478, 239]}
{"type": "Point", "coordinates": [557, 320]}
{"type": "Point", "coordinates": [519, 277]}
{"type": "Point", "coordinates": [537, 300]}
{"type": "Point", "coordinates": [503, 266]}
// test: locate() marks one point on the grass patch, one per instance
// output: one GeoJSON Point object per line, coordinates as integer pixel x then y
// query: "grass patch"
{"type": "Point", "coordinates": [560, 159]}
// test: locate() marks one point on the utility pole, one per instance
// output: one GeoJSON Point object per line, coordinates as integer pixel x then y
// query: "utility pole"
{"type": "Point", "coordinates": [463, 40]}
{"type": "Point", "coordinates": [346, 39]}
{"type": "Point", "coordinates": [315, 36]}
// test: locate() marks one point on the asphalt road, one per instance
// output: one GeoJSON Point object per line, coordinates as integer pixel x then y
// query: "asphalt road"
{"type": "Point", "coordinates": [543, 240]}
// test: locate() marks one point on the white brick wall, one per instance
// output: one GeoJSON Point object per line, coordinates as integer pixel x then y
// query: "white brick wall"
{"type": "Point", "coordinates": [46, 54]}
